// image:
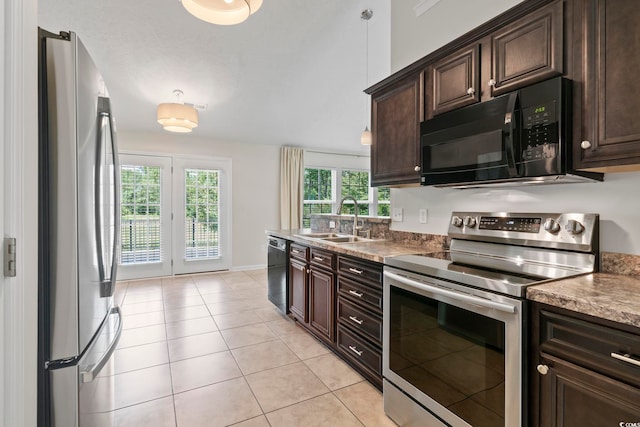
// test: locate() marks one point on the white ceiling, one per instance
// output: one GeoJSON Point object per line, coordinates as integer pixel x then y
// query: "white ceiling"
{"type": "Point", "coordinates": [293, 73]}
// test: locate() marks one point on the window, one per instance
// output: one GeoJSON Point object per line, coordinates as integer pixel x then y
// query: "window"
{"type": "Point", "coordinates": [318, 193]}
{"type": "Point", "coordinates": [356, 184]}
{"type": "Point", "coordinates": [140, 214]}
{"type": "Point", "coordinates": [325, 187]}
{"type": "Point", "coordinates": [202, 208]}
{"type": "Point", "coordinates": [384, 201]}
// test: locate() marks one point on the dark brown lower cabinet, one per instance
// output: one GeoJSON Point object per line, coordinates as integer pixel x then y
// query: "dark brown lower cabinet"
{"type": "Point", "coordinates": [572, 396]}
{"type": "Point", "coordinates": [585, 371]}
{"type": "Point", "coordinates": [321, 303]}
{"type": "Point", "coordinates": [298, 290]}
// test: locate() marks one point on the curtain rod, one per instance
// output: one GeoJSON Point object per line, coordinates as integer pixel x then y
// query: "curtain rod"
{"type": "Point", "coordinates": [336, 154]}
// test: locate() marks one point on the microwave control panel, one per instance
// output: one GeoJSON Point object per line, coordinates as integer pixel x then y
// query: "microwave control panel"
{"type": "Point", "coordinates": [539, 131]}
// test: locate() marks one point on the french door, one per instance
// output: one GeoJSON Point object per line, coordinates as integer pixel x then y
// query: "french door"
{"type": "Point", "coordinates": [174, 215]}
{"type": "Point", "coordinates": [145, 216]}
{"type": "Point", "coordinates": [201, 218]}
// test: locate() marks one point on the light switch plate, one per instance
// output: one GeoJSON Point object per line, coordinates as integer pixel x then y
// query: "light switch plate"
{"type": "Point", "coordinates": [423, 216]}
{"type": "Point", "coordinates": [397, 214]}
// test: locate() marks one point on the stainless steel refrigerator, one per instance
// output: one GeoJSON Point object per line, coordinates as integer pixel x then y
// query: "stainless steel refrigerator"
{"type": "Point", "coordinates": [79, 324]}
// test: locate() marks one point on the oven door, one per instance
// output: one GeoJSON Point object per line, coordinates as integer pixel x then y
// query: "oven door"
{"type": "Point", "coordinates": [456, 351]}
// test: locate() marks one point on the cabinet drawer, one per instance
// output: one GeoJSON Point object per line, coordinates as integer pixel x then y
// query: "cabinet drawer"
{"type": "Point", "coordinates": [360, 320]}
{"type": "Point", "coordinates": [323, 258]}
{"type": "Point", "coordinates": [364, 295]}
{"type": "Point", "coordinates": [299, 251]}
{"type": "Point", "coordinates": [596, 347]}
{"type": "Point", "coordinates": [359, 351]}
{"type": "Point", "coordinates": [369, 273]}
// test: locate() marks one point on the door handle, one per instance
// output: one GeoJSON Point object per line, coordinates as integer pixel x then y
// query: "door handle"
{"type": "Point", "coordinates": [510, 121]}
{"type": "Point", "coordinates": [108, 273]}
{"type": "Point", "coordinates": [92, 371]}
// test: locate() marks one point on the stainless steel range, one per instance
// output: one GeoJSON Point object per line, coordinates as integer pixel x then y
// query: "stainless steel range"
{"type": "Point", "coordinates": [455, 321]}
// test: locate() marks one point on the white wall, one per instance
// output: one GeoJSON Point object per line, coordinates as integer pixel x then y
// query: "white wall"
{"type": "Point", "coordinates": [413, 37]}
{"type": "Point", "coordinates": [255, 185]}
{"type": "Point", "coordinates": [616, 199]}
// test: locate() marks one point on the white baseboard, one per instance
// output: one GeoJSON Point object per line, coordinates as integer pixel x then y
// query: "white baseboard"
{"type": "Point", "coordinates": [248, 267]}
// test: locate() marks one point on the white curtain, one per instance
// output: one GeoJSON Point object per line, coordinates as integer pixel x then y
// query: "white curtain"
{"type": "Point", "coordinates": [291, 184]}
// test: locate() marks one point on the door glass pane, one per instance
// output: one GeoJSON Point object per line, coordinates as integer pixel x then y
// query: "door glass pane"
{"type": "Point", "coordinates": [140, 214]}
{"type": "Point", "coordinates": [202, 210]}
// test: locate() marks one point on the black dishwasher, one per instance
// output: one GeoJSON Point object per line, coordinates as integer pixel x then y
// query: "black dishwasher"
{"type": "Point", "coordinates": [277, 268]}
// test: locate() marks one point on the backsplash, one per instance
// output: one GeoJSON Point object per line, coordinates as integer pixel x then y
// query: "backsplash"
{"type": "Point", "coordinates": [611, 262]}
{"type": "Point", "coordinates": [615, 263]}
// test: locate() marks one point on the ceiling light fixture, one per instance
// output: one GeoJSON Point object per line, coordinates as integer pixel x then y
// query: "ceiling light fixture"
{"type": "Point", "coordinates": [176, 116]}
{"type": "Point", "coordinates": [366, 138]}
{"type": "Point", "coordinates": [222, 12]}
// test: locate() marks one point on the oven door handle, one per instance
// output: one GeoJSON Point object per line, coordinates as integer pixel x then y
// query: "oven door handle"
{"type": "Point", "coordinates": [453, 294]}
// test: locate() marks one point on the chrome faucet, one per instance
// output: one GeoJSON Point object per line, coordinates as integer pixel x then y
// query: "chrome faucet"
{"type": "Point", "coordinates": [355, 210]}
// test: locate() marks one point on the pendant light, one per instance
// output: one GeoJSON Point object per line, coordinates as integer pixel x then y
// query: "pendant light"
{"type": "Point", "coordinates": [366, 137]}
{"type": "Point", "coordinates": [176, 116]}
{"type": "Point", "coordinates": [222, 12]}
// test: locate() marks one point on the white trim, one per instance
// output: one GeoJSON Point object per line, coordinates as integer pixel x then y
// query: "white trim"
{"type": "Point", "coordinates": [248, 267]}
{"type": "Point", "coordinates": [19, 296]}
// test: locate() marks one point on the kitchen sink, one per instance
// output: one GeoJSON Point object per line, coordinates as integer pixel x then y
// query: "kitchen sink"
{"type": "Point", "coordinates": [347, 239]}
{"type": "Point", "coordinates": [321, 235]}
{"type": "Point", "coordinates": [335, 237]}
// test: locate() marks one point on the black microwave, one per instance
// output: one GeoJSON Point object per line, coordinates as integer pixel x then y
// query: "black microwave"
{"type": "Point", "coordinates": [518, 138]}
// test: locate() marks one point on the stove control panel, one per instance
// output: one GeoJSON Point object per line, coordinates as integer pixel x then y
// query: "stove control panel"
{"type": "Point", "coordinates": [522, 225]}
{"type": "Point", "coordinates": [570, 231]}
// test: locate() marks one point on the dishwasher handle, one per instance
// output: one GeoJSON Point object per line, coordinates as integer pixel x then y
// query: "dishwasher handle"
{"type": "Point", "coordinates": [277, 244]}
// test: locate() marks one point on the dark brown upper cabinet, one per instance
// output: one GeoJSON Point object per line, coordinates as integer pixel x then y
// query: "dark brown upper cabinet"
{"type": "Point", "coordinates": [606, 88]}
{"type": "Point", "coordinates": [528, 50]}
{"type": "Point", "coordinates": [454, 81]}
{"type": "Point", "coordinates": [397, 111]}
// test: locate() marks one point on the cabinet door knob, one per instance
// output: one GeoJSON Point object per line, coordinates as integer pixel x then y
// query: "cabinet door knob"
{"type": "Point", "coordinates": [471, 91]}
{"type": "Point", "coordinates": [417, 168]}
{"type": "Point", "coordinates": [585, 145]}
{"type": "Point", "coordinates": [543, 369]}
{"type": "Point", "coordinates": [492, 82]}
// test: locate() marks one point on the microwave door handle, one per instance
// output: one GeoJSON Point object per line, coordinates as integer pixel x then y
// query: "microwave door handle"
{"type": "Point", "coordinates": [509, 130]}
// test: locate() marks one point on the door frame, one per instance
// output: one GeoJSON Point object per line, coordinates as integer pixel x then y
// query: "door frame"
{"type": "Point", "coordinates": [19, 211]}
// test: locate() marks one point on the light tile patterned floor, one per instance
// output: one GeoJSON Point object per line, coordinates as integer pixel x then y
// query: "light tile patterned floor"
{"type": "Point", "coordinates": [211, 350]}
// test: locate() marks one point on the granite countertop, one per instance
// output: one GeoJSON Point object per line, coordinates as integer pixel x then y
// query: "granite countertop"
{"type": "Point", "coordinates": [375, 250]}
{"type": "Point", "coordinates": [607, 296]}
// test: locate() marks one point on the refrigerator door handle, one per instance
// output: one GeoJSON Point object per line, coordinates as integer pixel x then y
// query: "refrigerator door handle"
{"type": "Point", "coordinates": [90, 373]}
{"type": "Point", "coordinates": [105, 119]}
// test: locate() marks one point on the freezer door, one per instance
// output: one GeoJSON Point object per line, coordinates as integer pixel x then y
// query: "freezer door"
{"type": "Point", "coordinates": [80, 396]}
{"type": "Point", "coordinates": [82, 184]}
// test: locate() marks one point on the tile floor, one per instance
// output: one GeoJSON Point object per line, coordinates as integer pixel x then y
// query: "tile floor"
{"type": "Point", "coordinates": [211, 350]}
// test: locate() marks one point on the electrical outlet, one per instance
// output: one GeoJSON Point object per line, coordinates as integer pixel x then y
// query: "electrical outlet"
{"type": "Point", "coordinates": [397, 214]}
{"type": "Point", "coordinates": [423, 216]}
{"type": "Point", "coordinates": [332, 224]}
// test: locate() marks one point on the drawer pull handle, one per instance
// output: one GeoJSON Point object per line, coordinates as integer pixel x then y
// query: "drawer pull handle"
{"type": "Point", "coordinates": [355, 350]}
{"type": "Point", "coordinates": [318, 258]}
{"type": "Point", "coordinates": [543, 369]}
{"type": "Point", "coordinates": [295, 251]}
{"type": "Point", "coordinates": [355, 270]}
{"type": "Point", "coordinates": [355, 319]}
{"type": "Point", "coordinates": [356, 293]}
{"type": "Point", "coordinates": [626, 358]}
